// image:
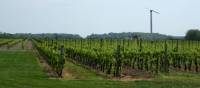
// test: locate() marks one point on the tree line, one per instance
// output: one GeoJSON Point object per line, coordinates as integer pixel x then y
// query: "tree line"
{"type": "Point", "coordinates": [193, 34]}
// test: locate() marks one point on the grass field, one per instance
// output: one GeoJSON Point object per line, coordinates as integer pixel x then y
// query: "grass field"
{"type": "Point", "coordinates": [20, 69]}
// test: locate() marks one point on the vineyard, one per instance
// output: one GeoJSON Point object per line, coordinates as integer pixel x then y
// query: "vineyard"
{"type": "Point", "coordinates": [10, 42]}
{"type": "Point", "coordinates": [111, 56]}
{"type": "Point", "coordinates": [98, 63]}
{"type": "Point", "coordinates": [99, 44]}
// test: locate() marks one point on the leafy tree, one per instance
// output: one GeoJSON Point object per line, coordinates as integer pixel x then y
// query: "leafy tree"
{"type": "Point", "coordinates": [193, 34]}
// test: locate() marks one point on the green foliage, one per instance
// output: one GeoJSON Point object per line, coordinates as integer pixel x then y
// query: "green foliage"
{"type": "Point", "coordinates": [14, 42]}
{"type": "Point", "coordinates": [130, 35]}
{"type": "Point", "coordinates": [151, 56]}
{"type": "Point", "coordinates": [5, 41]}
{"type": "Point", "coordinates": [193, 34]}
{"type": "Point", "coordinates": [54, 58]}
{"type": "Point", "coordinates": [20, 69]}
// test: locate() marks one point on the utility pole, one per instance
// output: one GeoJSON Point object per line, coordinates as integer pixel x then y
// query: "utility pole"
{"type": "Point", "coordinates": [151, 19]}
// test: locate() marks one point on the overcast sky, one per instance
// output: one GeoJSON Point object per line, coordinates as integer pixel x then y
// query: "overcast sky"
{"type": "Point", "coordinates": [98, 16]}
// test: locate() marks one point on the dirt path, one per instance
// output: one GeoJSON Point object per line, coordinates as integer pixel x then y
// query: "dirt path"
{"type": "Point", "coordinates": [29, 45]}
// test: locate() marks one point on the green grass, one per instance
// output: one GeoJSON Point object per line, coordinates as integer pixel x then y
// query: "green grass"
{"type": "Point", "coordinates": [78, 72]}
{"type": "Point", "coordinates": [20, 69]}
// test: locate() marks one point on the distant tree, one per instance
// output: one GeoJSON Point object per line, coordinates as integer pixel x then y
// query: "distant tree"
{"type": "Point", "coordinates": [193, 34]}
{"type": "Point", "coordinates": [129, 35]}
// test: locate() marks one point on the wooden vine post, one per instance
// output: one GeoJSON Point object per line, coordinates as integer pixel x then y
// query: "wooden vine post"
{"type": "Point", "coordinates": [118, 63]}
{"type": "Point", "coordinates": [177, 46]}
{"type": "Point", "coordinates": [61, 61]}
{"type": "Point", "coordinates": [140, 45]}
{"type": "Point", "coordinates": [165, 62]}
{"type": "Point", "coordinates": [101, 43]}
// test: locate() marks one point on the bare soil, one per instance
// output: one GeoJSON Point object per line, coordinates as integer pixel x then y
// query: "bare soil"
{"type": "Point", "coordinates": [129, 74]}
{"type": "Point", "coordinates": [67, 75]}
{"type": "Point", "coordinates": [130, 78]}
{"type": "Point", "coordinates": [29, 45]}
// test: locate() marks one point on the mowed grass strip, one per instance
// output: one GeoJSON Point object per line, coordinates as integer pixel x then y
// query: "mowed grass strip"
{"type": "Point", "coordinates": [20, 69]}
{"type": "Point", "coordinates": [75, 71]}
{"type": "Point", "coordinates": [23, 65]}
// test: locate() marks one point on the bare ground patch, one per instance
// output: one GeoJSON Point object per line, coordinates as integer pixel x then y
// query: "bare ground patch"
{"type": "Point", "coordinates": [130, 74]}
{"type": "Point", "coordinates": [66, 74]}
